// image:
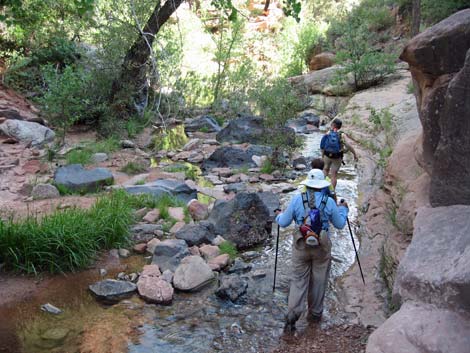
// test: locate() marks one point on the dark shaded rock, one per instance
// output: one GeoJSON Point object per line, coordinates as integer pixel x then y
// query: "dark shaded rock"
{"type": "Point", "coordinates": [178, 189]}
{"type": "Point", "coordinates": [145, 232]}
{"type": "Point", "coordinates": [75, 178]}
{"type": "Point", "coordinates": [235, 188]}
{"type": "Point", "coordinates": [235, 157]}
{"type": "Point", "coordinates": [299, 161]}
{"type": "Point", "coordinates": [112, 291]}
{"type": "Point", "coordinates": [169, 253]}
{"type": "Point", "coordinates": [271, 201]}
{"type": "Point", "coordinates": [250, 129]}
{"type": "Point", "coordinates": [197, 234]}
{"type": "Point", "coordinates": [242, 220]}
{"type": "Point", "coordinates": [231, 287]}
{"type": "Point", "coordinates": [305, 123]}
{"type": "Point", "coordinates": [204, 123]}
{"type": "Point", "coordinates": [436, 266]}
{"type": "Point", "coordinates": [239, 266]}
{"type": "Point", "coordinates": [451, 169]}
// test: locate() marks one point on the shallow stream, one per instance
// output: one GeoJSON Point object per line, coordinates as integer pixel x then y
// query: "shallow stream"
{"type": "Point", "coordinates": [195, 322]}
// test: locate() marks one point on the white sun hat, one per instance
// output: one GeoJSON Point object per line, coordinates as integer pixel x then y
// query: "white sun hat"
{"type": "Point", "coordinates": [315, 179]}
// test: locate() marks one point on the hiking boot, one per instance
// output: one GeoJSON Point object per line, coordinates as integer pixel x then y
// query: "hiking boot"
{"type": "Point", "coordinates": [289, 328]}
{"type": "Point", "coordinates": [314, 319]}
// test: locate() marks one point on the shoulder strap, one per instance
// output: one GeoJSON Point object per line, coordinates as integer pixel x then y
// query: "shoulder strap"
{"type": "Point", "coordinates": [304, 199]}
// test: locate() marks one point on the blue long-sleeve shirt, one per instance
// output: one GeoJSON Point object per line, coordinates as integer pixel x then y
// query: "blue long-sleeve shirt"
{"type": "Point", "coordinates": [296, 212]}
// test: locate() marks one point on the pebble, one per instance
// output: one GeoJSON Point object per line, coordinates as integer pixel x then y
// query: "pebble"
{"type": "Point", "coordinates": [51, 309]}
{"type": "Point", "coordinates": [124, 253]}
{"type": "Point", "coordinates": [103, 272]}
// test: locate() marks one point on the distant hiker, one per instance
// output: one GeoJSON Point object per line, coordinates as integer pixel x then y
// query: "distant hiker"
{"type": "Point", "coordinates": [333, 146]}
{"type": "Point", "coordinates": [311, 258]}
{"type": "Point", "coordinates": [318, 163]}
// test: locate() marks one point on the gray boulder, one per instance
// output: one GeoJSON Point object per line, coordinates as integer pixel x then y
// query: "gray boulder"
{"type": "Point", "coordinates": [244, 220]}
{"type": "Point", "coordinates": [417, 328]}
{"type": "Point", "coordinates": [197, 234]}
{"type": "Point", "coordinates": [321, 82]}
{"type": "Point", "coordinates": [192, 274]}
{"type": "Point", "coordinates": [44, 191]}
{"type": "Point", "coordinates": [231, 287]}
{"type": "Point", "coordinates": [436, 265]}
{"type": "Point", "coordinates": [145, 232]}
{"type": "Point", "coordinates": [111, 290]}
{"type": "Point", "coordinates": [271, 201]}
{"type": "Point", "coordinates": [304, 124]}
{"type": "Point", "coordinates": [250, 129]}
{"type": "Point", "coordinates": [75, 178]}
{"type": "Point", "coordinates": [169, 253]}
{"type": "Point", "coordinates": [176, 188]}
{"type": "Point", "coordinates": [204, 123]}
{"type": "Point", "coordinates": [235, 157]}
{"type": "Point", "coordinates": [27, 132]}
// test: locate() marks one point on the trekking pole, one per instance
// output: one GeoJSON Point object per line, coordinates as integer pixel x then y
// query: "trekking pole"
{"type": "Point", "coordinates": [275, 261]}
{"type": "Point", "coordinates": [355, 250]}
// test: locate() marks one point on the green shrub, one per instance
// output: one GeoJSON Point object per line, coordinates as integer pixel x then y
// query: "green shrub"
{"type": "Point", "coordinates": [83, 154]}
{"type": "Point", "coordinates": [229, 248]}
{"type": "Point", "coordinates": [267, 167]}
{"type": "Point", "coordinates": [79, 156]}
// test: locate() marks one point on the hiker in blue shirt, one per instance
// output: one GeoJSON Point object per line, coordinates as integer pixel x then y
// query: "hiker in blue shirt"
{"type": "Point", "coordinates": [310, 264]}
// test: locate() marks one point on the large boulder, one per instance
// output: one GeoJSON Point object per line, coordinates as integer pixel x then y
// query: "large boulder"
{"type": "Point", "coordinates": [27, 132]}
{"type": "Point", "coordinates": [250, 129]}
{"type": "Point", "coordinates": [440, 66]}
{"type": "Point", "coordinates": [197, 234]}
{"type": "Point", "coordinates": [244, 220]}
{"type": "Point", "coordinates": [417, 328]}
{"type": "Point", "coordinates": [231, 287]}
{"type": "Point", "coordinates": [439, 233]}
{"type": "Point", "coordinates": [192, 274]}
{"type": "Point", "coordinates": [153, 288]}
{"type": "Point", "coordinates": [203, 123]}
{"type": "Point", "coordinates": [75, 178]}
{"type": "Point", "coordinates": [321, 61]}
{"type": "Point", "coordinates": [158, 188]}
{"type": "Point", "coordinates": [235, 157]}
{"type": "Point", "coordinates": [111, 290]}
{"type": "Point", "coordinates": [321, 82]}
{"type": "Point", "coordinates": [169, 253]}
{"type": "Point", "coordinates": [306, 123]}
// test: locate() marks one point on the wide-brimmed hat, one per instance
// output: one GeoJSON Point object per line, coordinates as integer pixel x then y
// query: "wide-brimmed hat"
{"type": "Point", "coordinates": [315, 179]}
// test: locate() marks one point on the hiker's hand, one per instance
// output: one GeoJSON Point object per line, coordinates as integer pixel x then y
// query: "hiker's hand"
{"type": "Point", "coordinates": [343, 203]}
{"type": "Point", "coordinates": [277, 211]}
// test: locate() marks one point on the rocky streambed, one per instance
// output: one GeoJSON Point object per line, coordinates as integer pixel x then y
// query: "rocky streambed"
{"type": "Point", "coordinates": [197, 322]}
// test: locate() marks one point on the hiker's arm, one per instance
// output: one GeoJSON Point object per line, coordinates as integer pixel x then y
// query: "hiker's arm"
{"type": "Point", "coordinates": [336, 214]}
{"type": "Point", "coordinates": [285, 218]}
{"type": "Point", "coordinates": [349, 146]}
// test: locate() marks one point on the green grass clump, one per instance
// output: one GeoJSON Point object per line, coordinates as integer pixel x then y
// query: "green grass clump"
{"type": "Point", "coordinates": [81, 156]}
{"type": "Point", "coordinates": [69, 240]}
{"type": "Point", "coordinates": [229, 248]}
{"type": "Point", "coordinates": [66, 240]}
{"type": "Point", "coordinates": [133, 168]}
{"type": "Point", "coordinates": [267, 167]}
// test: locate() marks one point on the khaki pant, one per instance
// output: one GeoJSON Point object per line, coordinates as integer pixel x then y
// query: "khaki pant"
{"type": "Point", "coordinates": [311, 268]}
{"type": "Point", "coordinates": [332, 164]}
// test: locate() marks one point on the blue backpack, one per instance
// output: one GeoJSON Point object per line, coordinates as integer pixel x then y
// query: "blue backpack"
{"type": "Point", "coordinates": [331, 144]}
{"type": "Point", "coordinates": [314, 220]}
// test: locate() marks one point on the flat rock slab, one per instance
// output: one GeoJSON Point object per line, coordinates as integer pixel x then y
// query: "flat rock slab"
{"type": "Point", "coordinates": [158, 188]}
{"type": "Point", "coordinates": [112, 291]}
{"type": "Point", "coordinates": [422, 328]}
{"type": "Point", "coordinates": [192, 274]}
{"type": "Point", "coordinates": [75, 178]}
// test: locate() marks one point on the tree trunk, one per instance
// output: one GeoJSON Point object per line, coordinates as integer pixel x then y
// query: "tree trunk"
{"type": "Point", "coordinates": [266, 6]}
{"type": "Point", "coordinates": [415, 17]}
{"type": "Point", "coordinates": [131, 86]}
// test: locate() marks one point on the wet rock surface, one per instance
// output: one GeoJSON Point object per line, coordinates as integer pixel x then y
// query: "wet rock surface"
{"type": "Point", "coordinates": [112, 291]}
{"type": "Point", "coordinates": [231, 287]}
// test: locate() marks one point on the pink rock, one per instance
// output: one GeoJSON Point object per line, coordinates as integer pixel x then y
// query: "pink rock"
{"type": "Point", "coordinates": [266, 177]}
{"type": "Point", "coordinates": [152, 216]}
{"type": "Point", "coordinates": [194, 250]}
{"type": "Point", "coordinates": [209, 251]}
{"type": "Point", "coordinates": [140, 248]}
{"type": "Point", "coordinates": [152, 288]}
{"type": "Point", "coordinates": [152, 244]}
{"type": "Point", "coordinates": [198, 210]}
{"type": "Point", "coordinates": [218, 263]}
{"type": "Point", "coordinates": [177, 227]}
{"type": "Point", "coordinates": [176, 213]}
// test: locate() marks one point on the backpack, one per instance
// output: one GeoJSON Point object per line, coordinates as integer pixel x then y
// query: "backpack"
{"type": "Point", "coordinates": [331, 144]}
{"type": "Point", "coordinates": [313, 220]}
